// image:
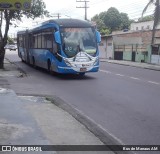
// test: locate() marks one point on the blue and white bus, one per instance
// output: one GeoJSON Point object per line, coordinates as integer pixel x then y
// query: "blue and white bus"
{"type": "Point", "coordinates": [62, 46]}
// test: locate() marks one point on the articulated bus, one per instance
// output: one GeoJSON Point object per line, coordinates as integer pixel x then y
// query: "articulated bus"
{"type": "Point", "coordinates": [66, 46]}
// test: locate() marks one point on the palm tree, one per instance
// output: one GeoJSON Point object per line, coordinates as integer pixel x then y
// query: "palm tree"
{"type": "Point", "coordinates": [156, 15]}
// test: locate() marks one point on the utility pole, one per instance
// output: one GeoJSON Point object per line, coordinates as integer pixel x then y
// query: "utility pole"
{"type": "Point", "coordinates": [57, 15]}
{"type": "Point", "coordinates": [85, 7]}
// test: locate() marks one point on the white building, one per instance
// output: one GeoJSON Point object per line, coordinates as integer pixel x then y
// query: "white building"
{"type": "Point", "coordinates": [147, 25]}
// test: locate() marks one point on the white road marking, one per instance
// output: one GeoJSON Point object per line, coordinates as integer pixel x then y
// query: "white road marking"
{"type": "Point", "coordinates": [105, 71]}
{"type": "Point", "coordinates": [3, 75]}
{"type": "Point", "coordinates": [134, 78]}
{"type": "Point", "coordinates": [154, 82]}
{"type": "Point", "coordinates": [120, 74]}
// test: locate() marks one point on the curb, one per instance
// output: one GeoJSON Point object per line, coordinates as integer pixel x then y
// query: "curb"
{"type": "Point", "coordinates": [132, 65]}
{"type": "Point", "coordinates": [104, 136]}
{"type": "Point", "coordinates": [92, 126]}
{"type": "Point", "coordinates": [19, 68]}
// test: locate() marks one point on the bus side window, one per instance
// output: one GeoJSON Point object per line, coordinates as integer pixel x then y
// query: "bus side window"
{"type": "Point", "coordinates": [24, 41]}
{"type": "Point", "coordinates": [20, 40]}
{"type": "Point", "coordinates": [43, 41]}
{"type": "Point", "coordinates": [47, 39]}
{"type": "Point", "coordinates": [30, 41]}
{"type": "Point", "coordinates": [55, 47]}
{"type": "Point", "coordinates": [35, 41]}
{"type": "Point", "coordinates": [39, 41]}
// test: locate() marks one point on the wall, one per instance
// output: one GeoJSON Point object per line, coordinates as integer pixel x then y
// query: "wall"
{"type": "Point", "coordinates": [155, 59]}
{"type": "Point", "coordinates": [146, 40]}
{"type": "Point", "coordinates": [109, 50]}
{"type": "Point", "coordinates": [130, 49]}
{"type": "Point", "coordinates": [102, 48]}
{"type": "Point", "coordinates": [127, 55]}
{"type": "Point", "coordinates": [147, 25]}
{"type": "Point", "coordinates": [106, 48]}
{"type": "Point", "coordinates": [142, 54]}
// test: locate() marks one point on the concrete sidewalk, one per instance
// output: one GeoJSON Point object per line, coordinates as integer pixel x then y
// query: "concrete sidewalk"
{"type": "Point", "coordinates": [33, 120]}
{"type": "Point", "coordinates": [133, 64]}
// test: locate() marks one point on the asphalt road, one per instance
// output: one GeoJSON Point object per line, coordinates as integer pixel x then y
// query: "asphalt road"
{"type": "Point", "coordinates": [123, 100]}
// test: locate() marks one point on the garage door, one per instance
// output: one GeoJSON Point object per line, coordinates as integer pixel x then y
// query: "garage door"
{"type": "Point", "coordinates": [118, 55]}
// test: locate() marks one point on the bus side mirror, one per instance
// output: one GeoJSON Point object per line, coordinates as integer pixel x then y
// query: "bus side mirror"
{"type": "Point", "coordinates": [98, 37]}
{"type": "Point", "coordinates": [57, 37]}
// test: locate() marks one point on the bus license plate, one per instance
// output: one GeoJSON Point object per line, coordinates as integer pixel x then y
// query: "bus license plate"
{"type": "Point", "coordinates": [83, 69]}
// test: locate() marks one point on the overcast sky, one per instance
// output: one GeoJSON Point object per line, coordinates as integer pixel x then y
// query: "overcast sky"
{"type": "Point", "coordinates": [68, 9]}
{"type": "Point", "coordinates": [132, 7]}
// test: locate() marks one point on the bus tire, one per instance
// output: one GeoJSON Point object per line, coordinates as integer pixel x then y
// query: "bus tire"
{"type": "Point", "coordinates": [20, 55]}
{"type": "Point", "coordinates": [49, 66]}
{"type": "Point", "coordinates": [33, 62]}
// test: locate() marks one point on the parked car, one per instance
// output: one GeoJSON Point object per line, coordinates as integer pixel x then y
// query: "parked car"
{"type": "Point", "coordinates": [12, 47]}
{"type": "Point", "coordinates": [7, 46]}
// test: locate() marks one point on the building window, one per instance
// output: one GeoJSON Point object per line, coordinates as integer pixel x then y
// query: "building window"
{"type": "Point", "coordinates": [101, 44]}
{"type": "Point", "coordinates": [136, 28]}
{"type": "Point", "coordinates": [148, 27]}
{"type": "Point", "coordinates": [142, 28]}
{"type": "Point", "coordinates": [109, 44]}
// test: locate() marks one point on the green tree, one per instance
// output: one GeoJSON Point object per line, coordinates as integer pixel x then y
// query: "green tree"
{"type": "Point", "coordinates": [100, 25]}
{"type": "Point", "coordinates": [112, 19]}
{"type": "Point", "coordinates": [146, 18]}
{"type": "Point", "coordinates": [125, 22]}
{"type": "Point", "coordinates": [156, 15]}
{"type": "Point", "coordinates": [102, 15]}
{"type": "Point", "coordinates": [10, 40]}
{"type": "Point", "coordinates": [8, 16]}
{"type": "Point", "coordinates": [98, 22]}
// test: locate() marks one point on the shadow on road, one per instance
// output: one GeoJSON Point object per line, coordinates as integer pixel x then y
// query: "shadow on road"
{"type": "Point", "coordinates": [63, 76]}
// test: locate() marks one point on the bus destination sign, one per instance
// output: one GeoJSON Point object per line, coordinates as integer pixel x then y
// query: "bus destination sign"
{"type": "Point", "coordinates": [15, 4]}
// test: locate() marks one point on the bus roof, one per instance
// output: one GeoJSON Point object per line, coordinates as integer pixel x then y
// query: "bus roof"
{"type": "Point", "coordinates": [76, 23]}
{"type": "Point", "coordinates": [69, 23]}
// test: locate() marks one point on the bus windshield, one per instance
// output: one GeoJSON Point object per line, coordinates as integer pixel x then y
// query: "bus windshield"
{"type": "Point", "coordinates": [78, 40]}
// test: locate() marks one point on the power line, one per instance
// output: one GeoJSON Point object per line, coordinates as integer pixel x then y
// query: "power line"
{"type": "Point", "coordinates": [85, 7]}
{"type": "Point", "coordinates": [94, 3]}
{"type": "Point", "coordinates": [128, 8]}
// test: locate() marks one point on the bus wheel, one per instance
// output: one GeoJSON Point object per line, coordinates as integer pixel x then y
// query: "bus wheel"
{"type": "Point", "coordinates": [21, 57]}
{"type": "Point", "coordinates": [22, 60]}
{"type": "Point", "coordinates": [33, 62]}
{"type": "Point", "coordinates": [49, 66]}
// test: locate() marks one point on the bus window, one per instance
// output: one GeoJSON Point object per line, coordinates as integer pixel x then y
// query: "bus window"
{"type": "Point", "coordinates": [20, 40]}
{"type": "Point", "coordinates": [43, 41]}
{"type": "Point", "coordinates": [39, 41]}
{"type": "Point", "coordinates": [78, 39]}
{"type": "Point", "coordinates": [24, 44]}
{"type": "Point", "coordinates": [35, 40]}
{"type": "Point", "coordinates": [55, 47]}
{"type": "Point", "coordinates": [31, 41]}
{"type": "Point", "coordinates": [47, 39]}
